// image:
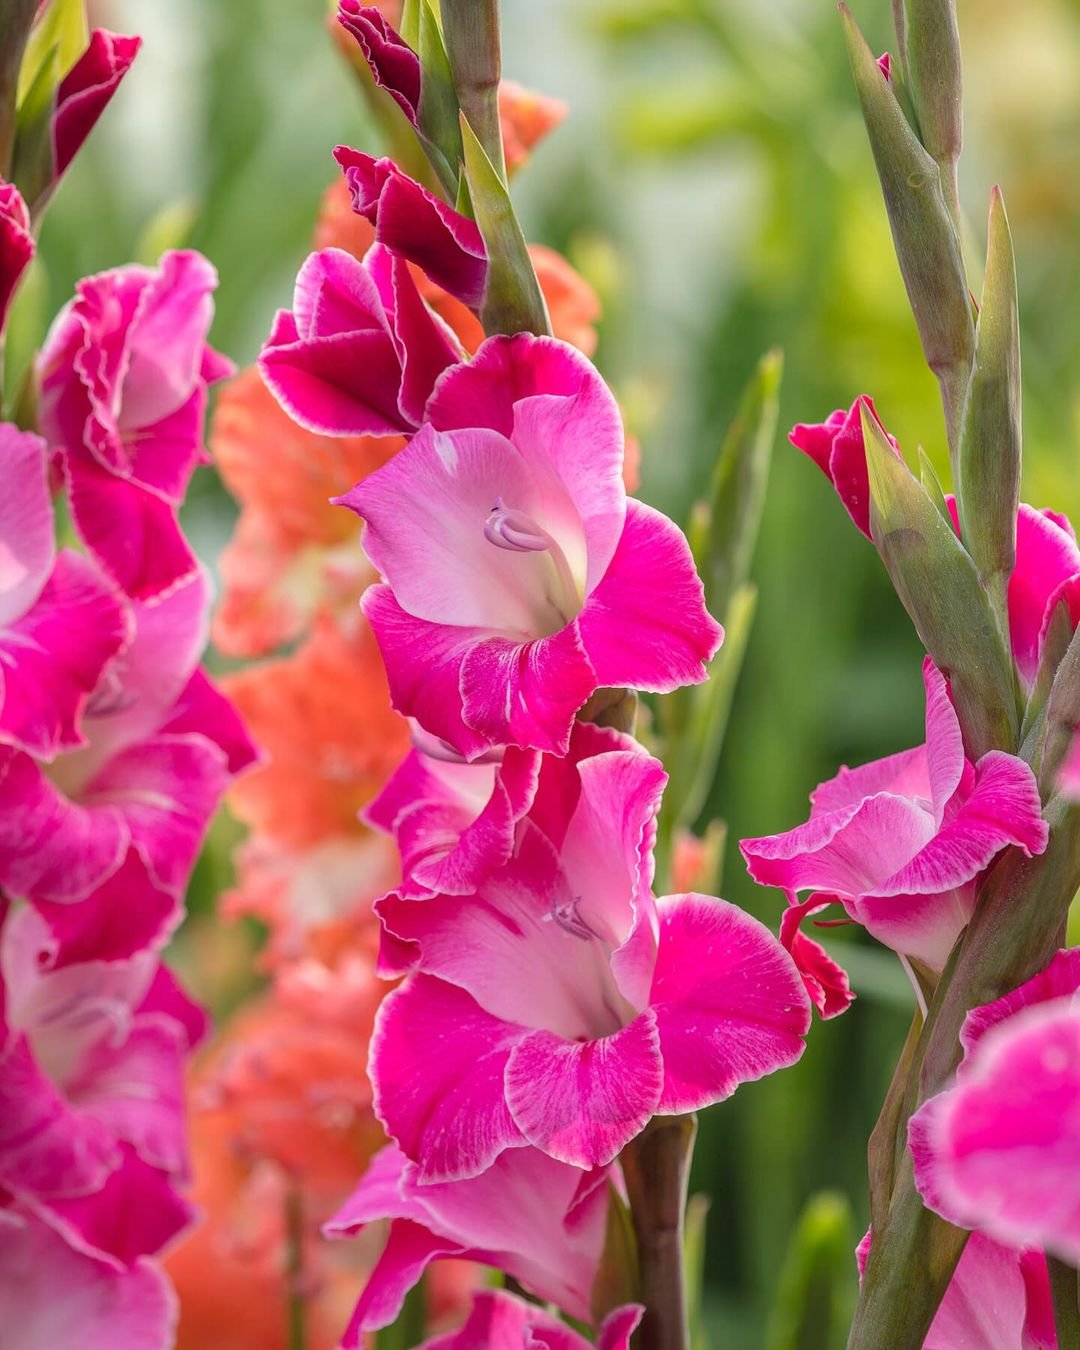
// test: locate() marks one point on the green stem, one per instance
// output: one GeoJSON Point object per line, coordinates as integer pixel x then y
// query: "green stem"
{"type": "Point", "coordinates": [656, 1166]}
{"type": "Point", "coordinates": [296, 1301]}
{"type": "Point", "coordinates": [471, 31]}
{"type": "Point", "coordinates": [1063, 1291]}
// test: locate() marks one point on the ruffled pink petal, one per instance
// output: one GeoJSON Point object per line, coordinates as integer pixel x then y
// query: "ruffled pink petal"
{"type": "Point", "coordinates": [499, 1321]}
{"type": "Point", "coordinates": [987, 1305]}
{"type": "Point", "coordinates": [485, 391]}
{"type": "Point", "coordinates": [27, 546]}
{"type": "Point", "coordinates": [619, 1326]}
{"type": "Point", "coordinates": [166, 999]}
{"type": "Point", "coordinates": [16, 250]}
{"type": "Point", "coordinates": [826, 982]}
{"type": "Point", "coordinates": [645, 624]}
{"type": "Point", "coordinates": [395, 67]}
{"type": "Point", "coordinates": [836, 447]}
{"type": "Point", "coordinates": [1000, 1150]}
{"type": "Point", "coordinates": [527, 693]}
{"type": "Point", "coordinates": [133, 533]}
{"type": "Point", "coordinates": [203, 710]}
{"type": "Point", "coordinates": [905, 774]}
{"type": "Point", "coordinates": [945, 759]}
{"type": "Point", "coordinates": [52, 658]}
{"type": "Point", "coordinates": [583, 1101]}
{"type": "Point", "coordinates": [411, 221]}
{"type": "Point", "coordinates": [129, 1309]}
{"type": "Point", "coordinates": [1047, 568]}
{"type": "Point", "coordinates": [730, 1006]}
{"type": "Point", "coordinates": [85, 92]}
{"type": "Point", "coordinates": [437, 1066]}
{"type": "Point", "coordinates": [1059, 980]}
{"type": "Point", "coordinates": [410, 1249]}
{"type": "Point", "coordinates": [423, 668]}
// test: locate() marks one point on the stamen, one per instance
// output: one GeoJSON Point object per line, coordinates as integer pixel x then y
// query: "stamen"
{"type": "Point", "coordinates": [514, 530]}
{"type": "Point", "coordinates": [565, 913]}
{"type": "Point", "coordinates": [110, 698]}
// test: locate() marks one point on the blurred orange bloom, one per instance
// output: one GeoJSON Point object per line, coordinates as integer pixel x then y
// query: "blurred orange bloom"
{"type": "Point", "coordinates": [292, 552]}
{"type": "Point", "coordinates": [526, 117]}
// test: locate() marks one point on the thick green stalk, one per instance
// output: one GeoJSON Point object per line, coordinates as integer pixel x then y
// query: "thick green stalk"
{"type": "Point", "coordinates": [656, 1166]}
{"type": "Point", "coordinates": [471, 30]}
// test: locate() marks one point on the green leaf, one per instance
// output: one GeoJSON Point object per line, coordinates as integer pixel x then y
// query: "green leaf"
{"type": "Point", "coordinates": [513, 302]}
{"type": "Point", "coordinates": [32, 159]}
{"type": "Point", "coordinates": [439, 115]}
{"type": "Point", "coordinates": [932, 483]}
{"type": "Point", "coordinates": [409, 27]}
{"type": "Point", "coordinates": [62, 36]}
{"type": "Point", "coordinates": [817, 1283]}
{"type": "Point", "coordinates": [923, 229]}
{"type": "Point", "coordinates": [939, 586]}
{"type": "Point", "coordinates": [988, 487]}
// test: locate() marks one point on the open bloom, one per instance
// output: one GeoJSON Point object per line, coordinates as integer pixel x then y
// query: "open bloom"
{"type": "Point", "coordinates": [415, 225]}
{"type": "Point", "coordinates": [60, 622]}
{"type": "Point", "coordinates": [901, 842]}
{"type": "Point", "coordinates": [161, 743]}
{"type": "Point", "coordinates": [499, 1321]}
{"type": "Point", "coordinates": [519, 578]}
{"type": "Point", "coordinates": [631, 1006]}
{"type": "Point", "coordinates": [359, 352]}
{"type": "Point", "coordinates": [16, 245]}
{"type": "Point", "coordinates": [124, 375]}
{"type": "Point", "coordinates": [52, 1294]}
{"type": "Point", "coordinates": [836, 447]}
{"type": "Point", "coordinates": [1000, 1150]}
{"type": "Point", "coordinates": [534, 1218]}
{"type": "Point", "coordinates": [91, 1098]}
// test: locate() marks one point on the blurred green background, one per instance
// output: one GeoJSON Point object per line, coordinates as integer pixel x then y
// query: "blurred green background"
{"type": "Point", "coordinates": [714, 183]}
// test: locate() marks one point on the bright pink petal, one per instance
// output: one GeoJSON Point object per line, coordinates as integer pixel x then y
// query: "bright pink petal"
{"type": "Point", "coordinates": [409, 1250]}
{"type": "Point", "coordinates": [836, 447]}
{"type": "Point", "coordinates": [1001, 1149]}
{"type": "Point", "coordinates": [826, 982]}
{"type": "Point", "coordinates": [395, 67]}
{"type": "Point", "coordinates": [646, 624]}
{"type": "Point", "coordinates": [128, 1309]}
{"type": "Point", "coordinates": [583, 1101]}
{"type": "Point", "coordinates": [945, 759]}
{"type": "Point", "coordinates": [423, 667]}
{"type": "Point", "coordinates": [16, 250]}
{"type": "Point", "coordinates": [619, 1326]}
{"type": "Point", "coordinates": [85, 92]}
{"type": "Point", "coordinates": [904, 774]}
{"type": "Point", "coordinates": [202, 709]}
{"type": "Point", "coordinates": [52, 658]}
{"type": "Point", "coordinates": [437, 1066]}
{"type": "Point", "coordinates": [986, 1306]}
{"type": "Point", "coordinates": [729, 1004]}
{"type": "Point", "coordinates": [1059, 980]}
{"type": "Point", "coordinates": [527, 693]}
{"type": "Point", "coordinates": [1047, 569]}
{"type": "Point", "coordinates": [27, 546]}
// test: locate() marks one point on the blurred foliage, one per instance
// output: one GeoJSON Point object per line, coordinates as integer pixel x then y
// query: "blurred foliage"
{"type": "Point", "coordinates": [715, 184]}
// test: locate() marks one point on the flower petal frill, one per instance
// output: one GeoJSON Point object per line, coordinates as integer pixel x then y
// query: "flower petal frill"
{"type": "Point", "coordinates": [518, 577]}
{"type": "Point", "coordinates": [499, 1321]}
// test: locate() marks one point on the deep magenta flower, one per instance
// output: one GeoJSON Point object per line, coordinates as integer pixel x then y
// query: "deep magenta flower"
{"type": "Point", "coordinates": [534, 1218]}
{"type": "Point", "coordinates": [161, 746]}
{"type": "Point", "coordinates": [1046, 575]}
{"type": "Point", "coordinates": [16, 245]}
{"type": "Point", "coordinates": [54, 1295]}
{"type": "Point", "coordinates": [518, 577]}
{"type": "Point", "coordinates": [901, 842]}
{"type": "Point", "coordinates": [395, 67]}
{"type": "Point", "coordinates": [91, 1094]}
{"type": "Point", "coordinates": [124, 375]}
{"type": "Point", "coordinates": [359, 352]}
{"type": "Point", "coordinates": [499, 1321]}
{"type": "Point", "coordinates": [836, 447]}
{"type": "Point", "coordinates": [414, 224]}
{"type": "Point", "coordinates": [85, 92]}
{"type": "Point", "coordinates": [630, 1006]}
{"type": "Point", "coordinates": [1000, 1150]}
{"type": "Point", "coordinates": [61, 623]}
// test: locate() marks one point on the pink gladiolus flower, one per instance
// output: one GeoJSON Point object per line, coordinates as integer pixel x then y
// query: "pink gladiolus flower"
{"type": "Point", "coordinates": [16, 245]}
{"type": "Point", "coordinates": [1046, 575]}
{"type": "Point", "coordinates": [901, 842]}
{"type": "Point", "coordinates": [359, 353]}
{"type": "Point", "coordinates": [519, 578]}
{"type": "Point", "coordinates": [414, 224]}
{"type": "Point", "coordinates": [998, 1299]}
{"type": "Point", "coordinates": [161, 746]}
{"type": "Point", "coordinates": [631, 1006]}
{"type": "Point", "coordinates": [836, 447]}
{"type": "Point", "coordinates": [499, 1321]}
{"type": "Point", "coordinates": [539, 1220]}
{"type": "Point", "coordinates": [53, 1295]}
{"type": "Point", "coordinates": [124, 375]}
{"type": "Point", "coordinates": [395, 67]}
{"type": "Point", "coordinates": [91, 1094]}
{"type": "Point", "coordinates": [85, 91]}
{"type": "Point", "coordinates": [60, 623]}
{"type": "Point", "coordinates": [999, 1151]}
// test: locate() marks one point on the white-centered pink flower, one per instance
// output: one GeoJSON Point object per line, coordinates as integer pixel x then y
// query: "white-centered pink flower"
{"type": "Point", "coordinates": [518, 577]}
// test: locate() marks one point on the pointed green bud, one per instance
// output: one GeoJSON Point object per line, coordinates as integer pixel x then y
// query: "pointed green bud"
{"type": "Point", "coordinates": [14, 34]}
{"type": "Point", "coordinates": [931, 66]}
{"type": "Point", "coordinates": [513, 302]}
{"type": "Point", "coordinates": [923, 229]}
{"type": "Point", "coordinates": [932, 484]}
{"type": "Point", "coordinates": [438, 113]}
{"type": "Point", "coordinates": [939, 586]}
{"type": "Point", "coordinates": [988, 487]}
{"type": "Point", "coordinates": [62, 34]}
